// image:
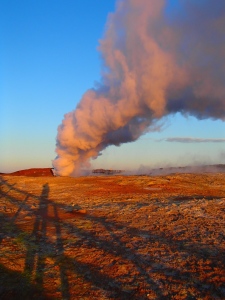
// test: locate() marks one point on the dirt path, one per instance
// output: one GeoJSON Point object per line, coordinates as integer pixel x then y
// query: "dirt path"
{"type": "Point", "coordinates": [113, 237]}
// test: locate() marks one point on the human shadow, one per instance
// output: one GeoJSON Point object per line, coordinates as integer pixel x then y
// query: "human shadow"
{"type": "Point", "coordinates": [37, 240]}
{"type": "Point", "coordinates": [38, 236]}
{"type": "Point", "coordinates": [36, 257]}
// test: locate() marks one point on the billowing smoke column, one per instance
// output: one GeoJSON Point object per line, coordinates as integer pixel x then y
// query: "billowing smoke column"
{"type": "Point", "coordinates": [158, 60]}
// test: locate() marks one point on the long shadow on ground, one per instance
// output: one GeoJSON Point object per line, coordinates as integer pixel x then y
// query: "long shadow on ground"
{"type": "Point", "coordinates": [31, 280]}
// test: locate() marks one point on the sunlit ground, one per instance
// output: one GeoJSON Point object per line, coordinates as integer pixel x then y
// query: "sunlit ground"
{"type": "Point", "coordinates": [113, 237]}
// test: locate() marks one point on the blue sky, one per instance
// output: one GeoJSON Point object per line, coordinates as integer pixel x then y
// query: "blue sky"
{"type": "Point", "coordinates": [48, 59]}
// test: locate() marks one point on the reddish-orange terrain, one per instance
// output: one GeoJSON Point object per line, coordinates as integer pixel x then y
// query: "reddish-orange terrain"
{"type": "Point", "coordinates": [34, 172]}
{"type": "Point", "coordinates": [112, 237]}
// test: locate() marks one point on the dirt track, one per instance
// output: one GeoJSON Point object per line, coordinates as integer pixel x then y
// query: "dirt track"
{"type": "Point", "coordinates": [113, 237]}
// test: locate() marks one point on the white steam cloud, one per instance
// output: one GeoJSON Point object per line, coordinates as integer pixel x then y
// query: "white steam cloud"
{"type": "Point", "coordinates": [158, 60]}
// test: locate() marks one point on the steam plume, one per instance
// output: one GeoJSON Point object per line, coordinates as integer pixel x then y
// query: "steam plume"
{"type": "Point", "coordinates": [157, 60]}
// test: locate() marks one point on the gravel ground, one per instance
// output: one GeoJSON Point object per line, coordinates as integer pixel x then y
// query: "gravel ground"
{"type": "Point", "coordinates": [113, 237]}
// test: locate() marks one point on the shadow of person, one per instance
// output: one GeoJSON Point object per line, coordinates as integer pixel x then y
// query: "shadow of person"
{"type": "Point", "coordinates": [45, 191]}
{"type": "Point", "coordinates": [35, 251]}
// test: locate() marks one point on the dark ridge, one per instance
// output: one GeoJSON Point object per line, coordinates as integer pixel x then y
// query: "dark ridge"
{"type": "Point", "coordinates": [108, 172]}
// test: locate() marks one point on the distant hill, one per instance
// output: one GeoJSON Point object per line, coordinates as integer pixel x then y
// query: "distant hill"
{"type": "Point", "coordinates": [33, 172]}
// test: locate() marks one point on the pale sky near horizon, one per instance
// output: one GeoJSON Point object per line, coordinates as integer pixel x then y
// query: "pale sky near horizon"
{"type": "Point", "coordinates": [48, 59]}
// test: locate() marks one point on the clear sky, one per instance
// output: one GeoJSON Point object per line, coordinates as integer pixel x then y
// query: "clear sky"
{"type": "Point", "coordinates": [48, 59]}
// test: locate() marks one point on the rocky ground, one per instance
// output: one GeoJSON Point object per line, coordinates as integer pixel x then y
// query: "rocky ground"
{"type": "Point", "coordinates": [113, 237]}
